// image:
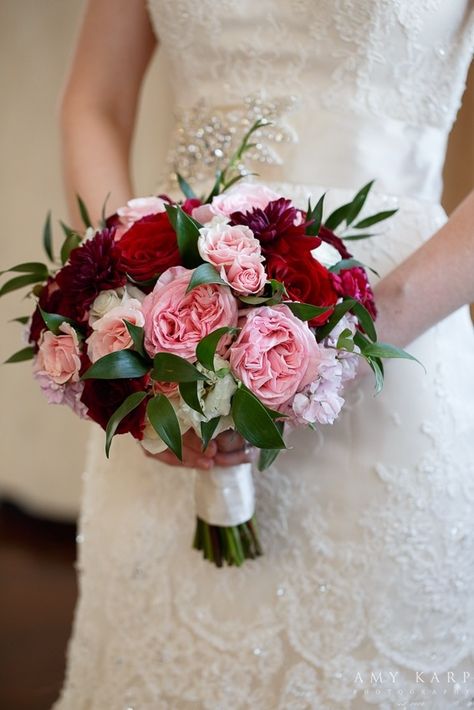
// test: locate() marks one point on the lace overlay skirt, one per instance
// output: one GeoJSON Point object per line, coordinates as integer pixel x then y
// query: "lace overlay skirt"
{"type": "Point", "coordinates": [365, 588]}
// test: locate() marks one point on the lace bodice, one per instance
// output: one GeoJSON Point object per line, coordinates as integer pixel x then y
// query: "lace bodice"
{"type": "Point", "coordinates": [368, 77]}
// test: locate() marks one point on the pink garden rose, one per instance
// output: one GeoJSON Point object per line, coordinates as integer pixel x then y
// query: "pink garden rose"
{"type": "Point", "coordinates": [275, 355]}
{"type": "Point", "coordinates": [59, 355]}
{"type": "Point", "coordinates": [110, 332]}
{"type": "Point", "coordinates": [242, 198]}
{"type": "Point", "coordinates": [175, 321]}
{"type": "Point", "coordinates": [236, 254]}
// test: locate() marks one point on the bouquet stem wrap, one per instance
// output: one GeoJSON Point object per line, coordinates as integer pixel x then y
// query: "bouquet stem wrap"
{"type": "Point", "coordinates": [225, 507]}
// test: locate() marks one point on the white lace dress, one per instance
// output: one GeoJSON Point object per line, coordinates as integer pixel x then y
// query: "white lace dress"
{"type": "Point", "coordinates": [364, 596]}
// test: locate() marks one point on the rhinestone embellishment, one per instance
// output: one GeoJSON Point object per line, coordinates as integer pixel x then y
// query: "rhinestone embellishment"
{"type": "Point", "coordinates": [206, 136]}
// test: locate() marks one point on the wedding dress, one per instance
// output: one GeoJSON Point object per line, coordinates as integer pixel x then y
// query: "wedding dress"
{"type": "Point", "coordinates": [364, 596]}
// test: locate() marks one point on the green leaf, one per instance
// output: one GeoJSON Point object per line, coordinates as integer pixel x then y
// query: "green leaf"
{"type": "Point", "coordinates": [277, 291]}
{"type": "Point", "coordinates": [345, 341]}
{"type": "Point", "coordinates": [379, 217]}
{"type": "Point", "coordinates": [127, 406]}
{"type": "Point", "coordinates": [68, 231]}
{"type": "Point", "coordinates": [306, 311]}
{"type": "Point", "coordinates": [204, 274]}
{"type": "Point", "coordinates": [24, 354]}
{"type": "Point", "coordinates": [215, 188]}
{"type": "Point", "coordinates": [54, 320]}
{"type": "Point", "coordinates": [143, 285]}
{"type": "Point", "coordinates": [165, 422]}
{"type": "Point", "coordinates": [48, 237]}
{"type": "Point", "coordinates": [316, 215]}
{"type": "Point", "coordinates": [253, 421]}
{"type": "Point", "coordinates": [357, 203]}
{"type": "Point", "coordinates": [29, 267]}
{"type": "Point", "coordinates": [189, 393]}
{"type": "Point", "coordinates": [207, 430]}
{"type": "Point", "coordinates": [119, 365]}
{"type": "Point", "coordinates": [137, 334]}
{"type": "Point", "coordinates": [365, 320]}
{"type": "Point", "coordinates": [71, 242]}
{"type": "Point", "coordinates": [187, 234]}
{"type": "Point", "coordinates": [22, 319]}
{"type": "Point", "coordinates": [377, 368]}
{"type": "Point", "coordinates": [338, 216]}
{"type": "Point", "coordinates": [358, 237]}
{"type": "Point", "coordinates": [206, 348]}
{"type": "Point", "coordinates": [172, 368]}
{"type": "Point", "coordinates": [19, 282]}
{"type": "Point", "coordinates": [386, 351]}
{"type": "Point", "coordinates": [266, 458]}
{"type": "Point", "coordinates": [103, 214]}
{"type": "Point", "coordinates": [185, 187]}
{"type": "Point", "coordinates": [84, 213]}
{"type": "Point", "coordinates": [350, 264]}
{"type": "Point", "coordinates": [339, 312]}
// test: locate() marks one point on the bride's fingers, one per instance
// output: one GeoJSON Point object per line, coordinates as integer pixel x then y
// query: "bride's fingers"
{"type": "Point", "coordinates": [230, 441]}
{"type": "Point", "coordinates": [191, 440]}
{"type": "Point", "coordinates": [233, 458]}
{"type": "Point", "coordinates": [191, 459]}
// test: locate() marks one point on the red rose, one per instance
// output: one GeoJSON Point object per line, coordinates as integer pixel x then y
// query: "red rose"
{"type": "Point", "coordinates": [149, 247]}
{"type": "Point", "coordinates": [305, 279]}
{"type": "Point", "coordinates": [103, 397]}
{"type": "Point", "coordinates": [353, 283]}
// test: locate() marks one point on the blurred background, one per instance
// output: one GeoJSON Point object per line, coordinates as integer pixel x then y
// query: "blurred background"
{"type": "Point", "coordinates": [40, 479]}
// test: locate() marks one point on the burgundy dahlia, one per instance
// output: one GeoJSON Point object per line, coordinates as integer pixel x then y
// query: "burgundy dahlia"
{"type": "Point", "coordinates": [93, 267]}
{"type": "Point", "coordinates": [278, 219]}
{"type": "Point", "coordinates": [103, 397]}
{"type": "Point", "coordinates": [353, 283]}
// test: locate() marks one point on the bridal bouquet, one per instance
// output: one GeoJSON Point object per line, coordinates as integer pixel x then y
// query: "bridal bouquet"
{"type": "Point", "coordinates": [240, 310]}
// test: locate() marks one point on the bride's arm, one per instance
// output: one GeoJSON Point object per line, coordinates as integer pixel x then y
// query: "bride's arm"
{"type": "Point", "coordinates": [437, 279]}
{"type": "Point", "coordinates": [99, 103]}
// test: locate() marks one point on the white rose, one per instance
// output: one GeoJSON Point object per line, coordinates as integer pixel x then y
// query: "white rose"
{"type": "Point", "coordinates": [103, 303]}
{"type": "Point", "coordinates": [326, 254]}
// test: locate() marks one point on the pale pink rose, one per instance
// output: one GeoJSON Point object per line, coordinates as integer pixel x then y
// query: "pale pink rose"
{"type": "Point", "coordinates": [203, 213]}
{"type": "Point", "coordinates": [222, 244]}
{"type": "Point", "coordinates": [59, 355]}
{"type": "Point", "coordinates": [170, 389]}
{"type": "Point", "coordinates": [246, 275]}
{"type": "Point", "coordinates": [320, 401]}
{"type": "Point", "coordinates": [275, 354]}
{"type": "Point", "coordinates": [243, 197]}
{"type": "Point", "coordinates": [110, 332]}
{"type": "Point", "coordinates": [175, 321]}
{"type": "Point", "coordinates": [140, 207]}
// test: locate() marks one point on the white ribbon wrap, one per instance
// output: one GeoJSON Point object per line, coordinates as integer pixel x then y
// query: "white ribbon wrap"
{"type": "Point", "coordinates": [225, 495]}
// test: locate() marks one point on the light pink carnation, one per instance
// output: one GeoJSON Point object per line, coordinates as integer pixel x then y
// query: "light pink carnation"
{"type": "Point", "coordinates": [243, 197]}
{"type": "Point", "coordinates": [275, 355]}
{"type": "Point", "coordinates": [320, 402]}
{"type": "Point", "coordinates": [110, 332]}
{"type": "Point", "coordinates": [59, 355]}
{"type": "Point", "coordinates": [69, 393]}
{"type": "Point", "coordinates": [175, 321]}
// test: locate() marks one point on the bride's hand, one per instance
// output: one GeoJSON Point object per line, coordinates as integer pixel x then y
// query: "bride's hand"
{"type": "Point", "coordinates": [227, 449]}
